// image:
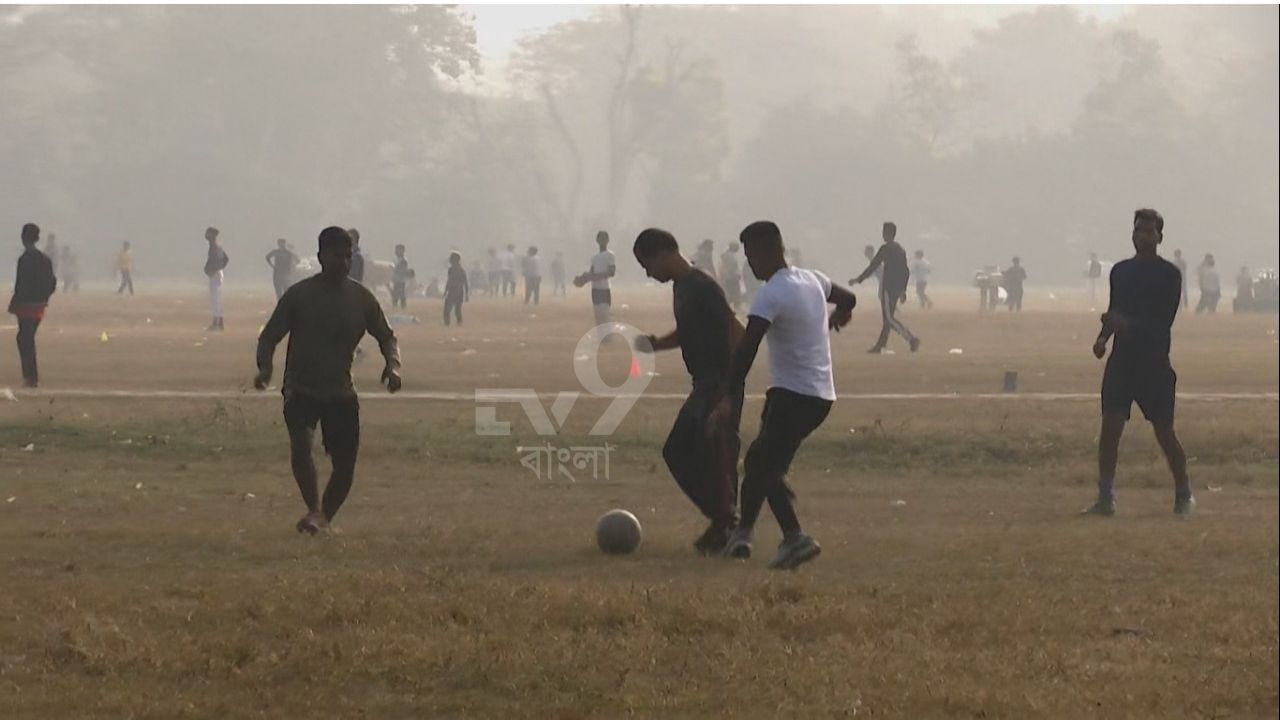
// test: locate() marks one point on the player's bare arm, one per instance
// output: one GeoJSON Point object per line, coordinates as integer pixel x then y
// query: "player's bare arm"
{"type": "Point", "coordinates": [744, 355]}
{"type": "Point", "coordinates": [656, 343]}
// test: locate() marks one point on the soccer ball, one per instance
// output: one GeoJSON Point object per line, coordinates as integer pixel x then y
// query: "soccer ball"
{"type": "Point", "coordinates": [618, 532]}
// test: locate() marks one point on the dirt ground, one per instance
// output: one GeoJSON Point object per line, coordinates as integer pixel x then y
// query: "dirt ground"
{"type": "Point", "coordinates": [150, 569]}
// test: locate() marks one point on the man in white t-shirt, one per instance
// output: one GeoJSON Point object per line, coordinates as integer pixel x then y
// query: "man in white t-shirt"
{"type": "Point", "coordinates": [791, 307]}
{"type": "Point", "coordinates": [1210, 286]}
{"type": "Point", "coordinates": [507, 262]}
{"type": "Point", "coordinates": [603, 266]}
{"type": "Point", "coordinates": [921, 269]}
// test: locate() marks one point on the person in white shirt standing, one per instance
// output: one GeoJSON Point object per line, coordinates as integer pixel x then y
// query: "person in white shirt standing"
{"type": "Point", "coordinates": [603, 267]}
{"type": "Point", "coordinates": [507, 260]}
{"type": "Point", "coordinates": [920, 270]}
{"type": "Point", "coordinates": [791, 307]}
{"type": "Point", "coordinates": [1210, 286]}
{"type": "Point", "coordinates": [214, 266]}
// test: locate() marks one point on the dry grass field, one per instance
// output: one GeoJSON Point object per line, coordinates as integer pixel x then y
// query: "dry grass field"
{"type": "Point", "coordinates": [149, 567]}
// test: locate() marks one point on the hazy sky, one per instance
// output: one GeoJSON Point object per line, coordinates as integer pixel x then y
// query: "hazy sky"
{"type": "Point", "coordinates": [498, 27]}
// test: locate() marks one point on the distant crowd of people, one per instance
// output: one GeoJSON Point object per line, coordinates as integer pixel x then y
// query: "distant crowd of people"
{"type": "Point", "coordinates": [498, 273]}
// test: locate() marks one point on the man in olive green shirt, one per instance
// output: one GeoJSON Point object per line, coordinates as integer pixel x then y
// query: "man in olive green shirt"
{"type": "Point", "coordinates": [325, 316]}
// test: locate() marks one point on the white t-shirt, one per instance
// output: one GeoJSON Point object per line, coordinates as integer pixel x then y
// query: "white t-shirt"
{"type": "Point", "coordinates": [600, 263]}
{"type": "Point", "coordinates": [794, 301]}
{"type": "Point", "coordinates": [920, 271]}
{"type": "Point", "coordinates": [507, 260]}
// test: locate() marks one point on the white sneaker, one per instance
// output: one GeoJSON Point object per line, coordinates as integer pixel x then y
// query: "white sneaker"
{"type": "Point", "coordinates": [795, 551]}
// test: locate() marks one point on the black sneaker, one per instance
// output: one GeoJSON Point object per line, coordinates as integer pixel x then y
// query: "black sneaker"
{"type": "Point", "coordinates": [915, 344]}
{"type": "Point", "coordinates": [713, 540]}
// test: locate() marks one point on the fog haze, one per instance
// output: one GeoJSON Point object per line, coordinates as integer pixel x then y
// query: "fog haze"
{"type": "Point", "coordinates": [982, 132]}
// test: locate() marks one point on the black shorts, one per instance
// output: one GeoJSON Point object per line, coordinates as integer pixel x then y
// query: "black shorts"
{"type": "Point", "coordinates": [339, 420]}
{"type": "Point", "coordinates": [601, 296]}
{"type": "Point", "coordinates": [1152, 387]}
{"type": "Point", "coordinates": [786, 421]}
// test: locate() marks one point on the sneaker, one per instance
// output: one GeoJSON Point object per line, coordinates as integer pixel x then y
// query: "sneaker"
{"type": "Point", "coordinates": [915, 344]}
{"type": "Point", "coordinates": [874, 350]}
{"type": "Point", "coordinates": [739, 544]}
{"type": "Point", "coordinates": [713, 540]}
{"type": "Point", "coordinates": [795, 551]}
{"type": "Point", "coordinates": [312, 524]}
{"type": "Point", "coordinates": [1184, 507]}
{"type": "Point", "coordinates": [1104, 507]}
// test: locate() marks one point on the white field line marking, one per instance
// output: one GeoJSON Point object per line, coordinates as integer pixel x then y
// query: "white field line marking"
{"type": "Point", "coordinates": [377, 394]}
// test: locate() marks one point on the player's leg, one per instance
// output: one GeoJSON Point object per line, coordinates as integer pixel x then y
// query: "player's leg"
{"type": "Point", "coordinates": [897, 326]}
{"type": "Point", "coordinates": [27, 351]}
{"type": "Point", "coordinates": [447, 309]}
{"type": "Point", "coordinates": [726, 445]}
{"type": "Point", "coordinates": [1156, 399]}
{"type": "Point", "coordinates": [1183, 500]}
{"type": "Point", "coordinates": [340, 427]}
{"type": "Point", "coordinates": [687, 454]}
{"type": "Point", "coordinates": [784, 423]}
{"type": "Point", "coordinates": [885, 311]}
{"type": "Point", "coordinates": [796, 417]}
{"type": "Point", "coordinates": [300, 417]}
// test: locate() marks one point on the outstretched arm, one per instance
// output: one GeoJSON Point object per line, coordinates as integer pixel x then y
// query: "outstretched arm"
{"type": "Point", "coordinates": [876, 262]}
{"type": "Point", "coordinates": [655, 343]}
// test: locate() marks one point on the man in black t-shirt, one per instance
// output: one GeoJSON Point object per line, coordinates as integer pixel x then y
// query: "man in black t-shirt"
{"type": "Point", "coordinates": [704, 464]}
{"type": "Point", "coordinates": [1145, 292]}
{"type": "Point", "coordinates": [1014, 276]}
{"type": "Point", "coordinates": [893, 287]}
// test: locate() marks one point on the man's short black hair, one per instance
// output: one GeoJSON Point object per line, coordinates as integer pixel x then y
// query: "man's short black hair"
{"type": "Point", "coordinates": [336, 237]}
{"type": "Point", "coordinates": [653, 241]}
{"type": "Point", "coordinates": [891, 228]}
{"type": "Point", "coordinates": [763, 234]}
{"type": "Point", "coordinates": [1149, 215]}
{"type": "Point", "coordinates": [30, 230]}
